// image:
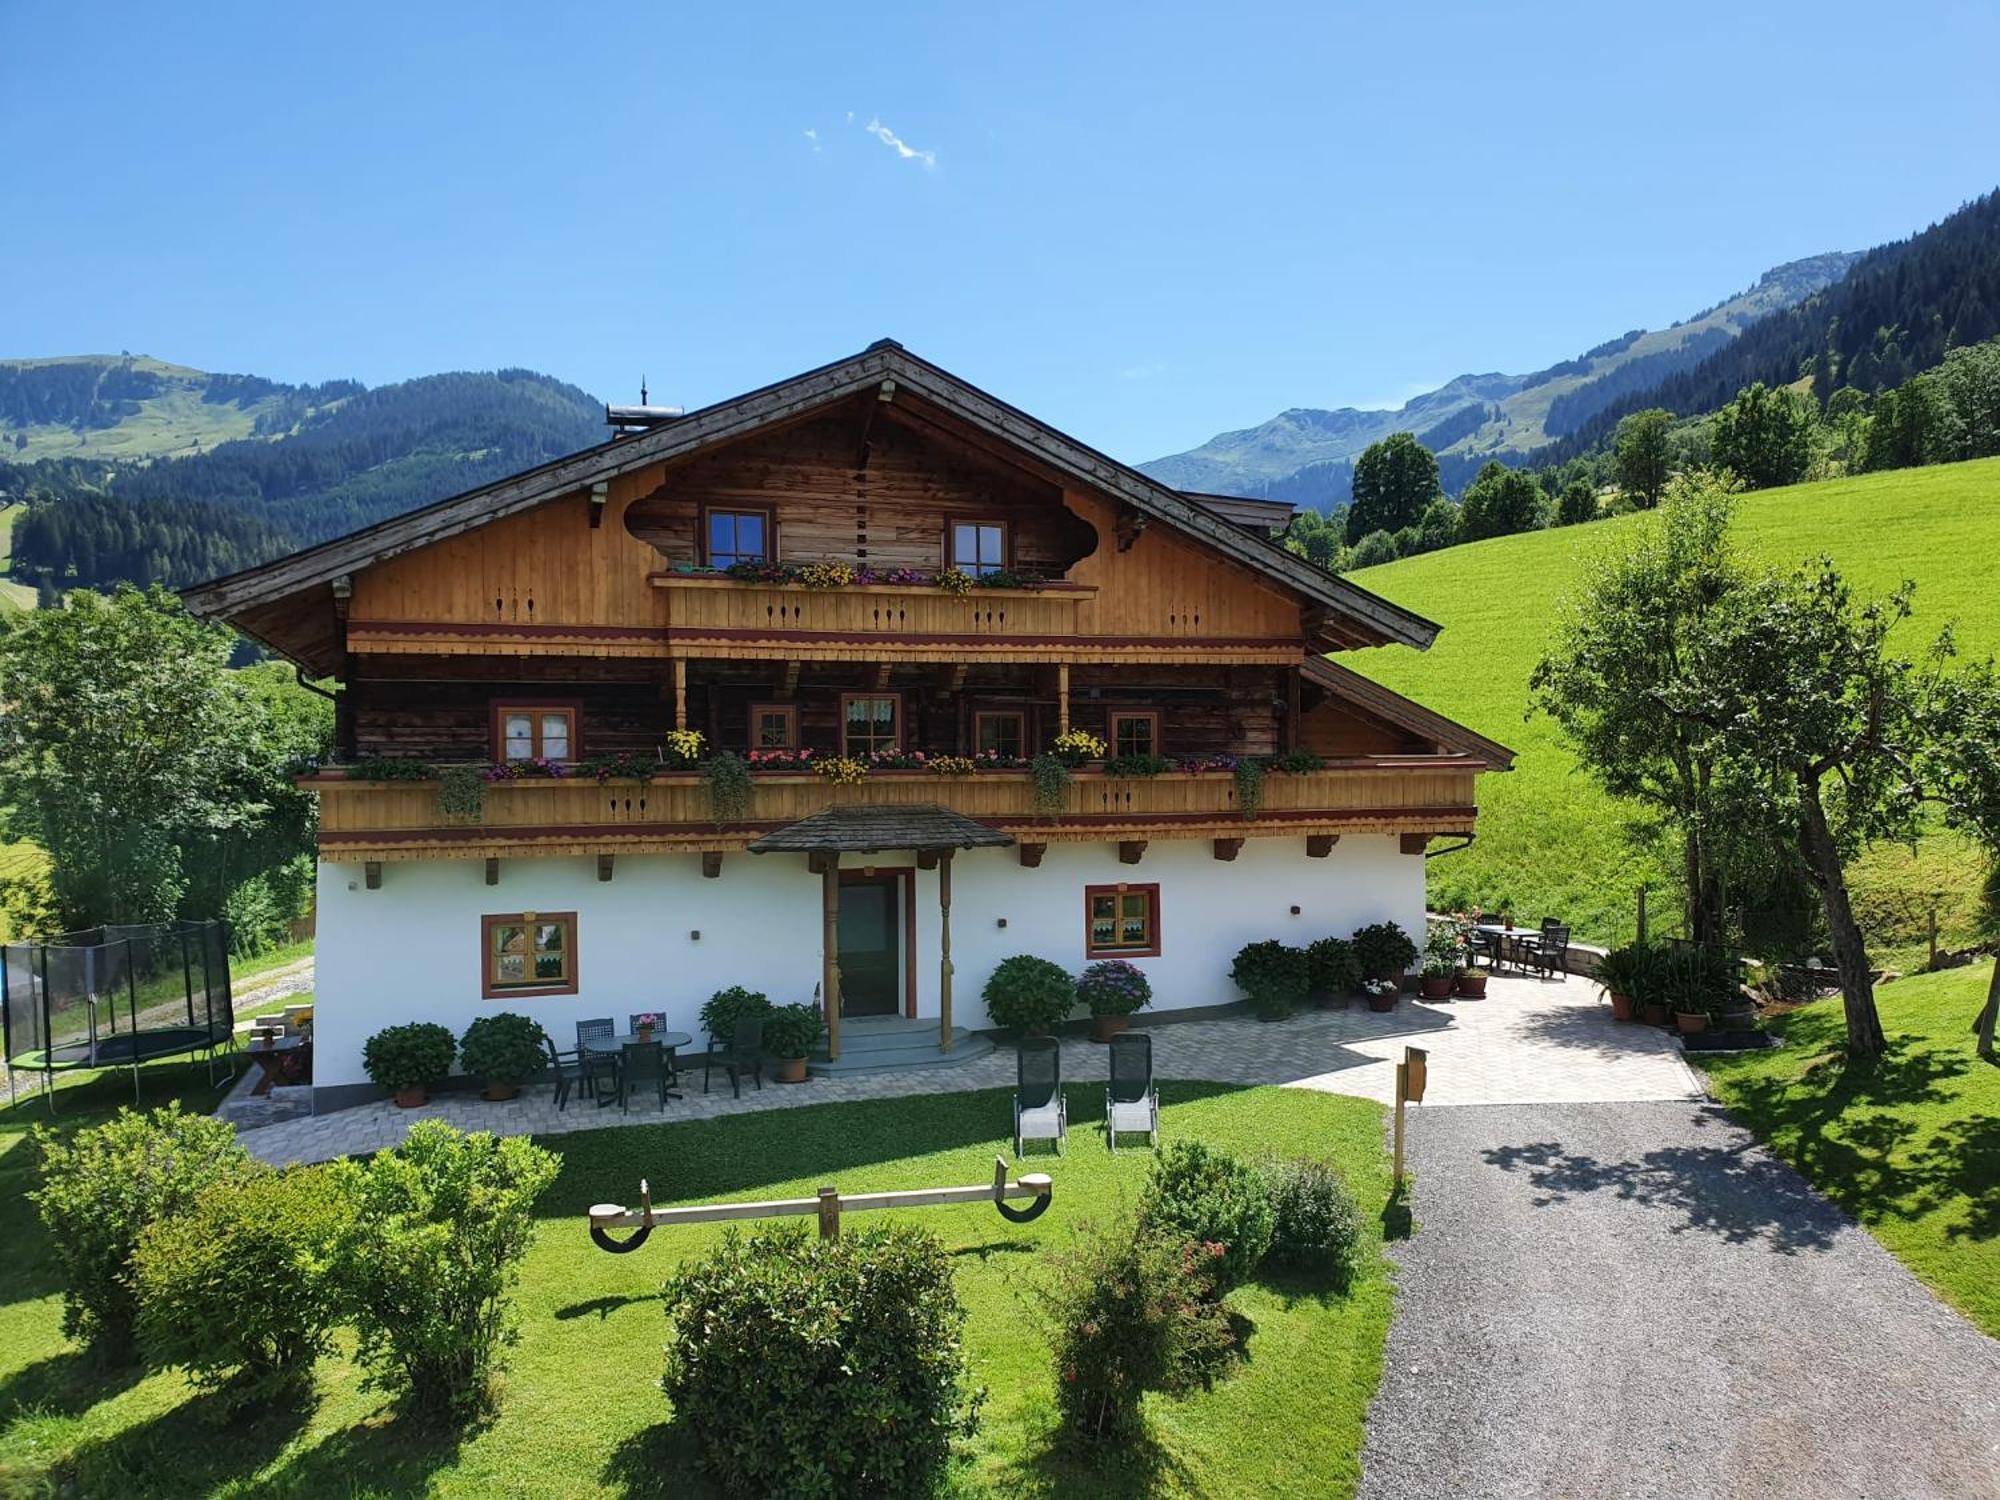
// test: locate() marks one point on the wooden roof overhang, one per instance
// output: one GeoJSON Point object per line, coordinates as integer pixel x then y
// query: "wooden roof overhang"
{"type": "Point", "coordinates": [1371, 697]}
{"type": "Point", "coordinates": [292, 603]}
{"type": "Point", "coordinates": [880, 830]}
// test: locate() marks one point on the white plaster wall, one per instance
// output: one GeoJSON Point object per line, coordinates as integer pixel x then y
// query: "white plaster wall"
{"type": "Point", "coordinates": [410, 950]}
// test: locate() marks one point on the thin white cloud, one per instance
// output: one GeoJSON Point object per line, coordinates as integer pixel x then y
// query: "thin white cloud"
{"type": "Point", "coordinates": [897, 144]}
{"type": "Point", "coordinates": [813, 136]}
{"type": "Point", "coordinates": [1140, 372]}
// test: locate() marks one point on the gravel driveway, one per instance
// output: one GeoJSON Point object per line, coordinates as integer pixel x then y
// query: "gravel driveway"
{"type": "Point", "coordinates": [1619, 1300]}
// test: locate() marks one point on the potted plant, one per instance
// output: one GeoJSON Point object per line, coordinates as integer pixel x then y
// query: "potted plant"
{"type": "Point", "coordinates": [1277, 978]}
{"type": "Point", "coordinates": [1111, 990]}
{"type": "Point", "coordinates": [1381, 993]}
{"type": "Point", "coordinates": [645, 1024]}
{"type": "Point", "coordinates": [1336, 973]}
{"type": "Point", "coordinates": [790, 1033]}
{"type": "Point", "coordinates": [1471, 983]}
{"type": "Point", "coordinates": [1651, 993]}
{"type": "Point", "coordinates": [406, 1060]}
{"type": "Point", "coordinates": [505, 1050]}
{"type": "Point", "coordinates": [721, 1011]}
{"type": "Point", "coordinates": [1622, 973]}
{"type": "Point", "coordinates": [1440, 967]}
{"type": "Point", "coordinates": [1384, 951]}
{"type": "Point", "coordinates": [1029, 994]}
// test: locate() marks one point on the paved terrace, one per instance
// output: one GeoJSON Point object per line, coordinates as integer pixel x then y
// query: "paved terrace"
{"type": "Point", "coordinates": [1530, 1041]}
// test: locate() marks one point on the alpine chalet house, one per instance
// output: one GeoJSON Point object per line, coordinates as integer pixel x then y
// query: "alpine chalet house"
{"type": "Point", "coordinates": [885, 593]}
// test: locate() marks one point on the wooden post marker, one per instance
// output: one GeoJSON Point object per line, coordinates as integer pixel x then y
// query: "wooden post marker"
{"type": "Point", "coordinates": [829, 1213]}
{"type": "Point", "coordinates": [1411, 1075]}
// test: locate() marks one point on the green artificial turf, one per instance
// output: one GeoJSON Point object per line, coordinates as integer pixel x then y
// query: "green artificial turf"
{"type": "Point", "coordinates": [1909, 1143]}
{"type": "Point", "coordinates": [1549, 841]}
{"type": "Point", "coordinates": [581, 1413]}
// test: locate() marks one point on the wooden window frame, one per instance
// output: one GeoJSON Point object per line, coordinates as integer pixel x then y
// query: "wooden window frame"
{"type": "Point", "coordinates": [1020, 715]}
{"type": "Point", "coordinates": [490, 989]}
{"type": "Point", "coordinates": [500, 709]}
{"type": "Point", "coordinates": [1111, 718]}
{"type": "Point", "coordinates": [770, 518]}
{"type": "Point", "coordinates": [902, 719]}
{"type": "Point", "coordinates": [790, 712]}
{"type": "Point", "coordinates": [1001, 523]}
{"type": "Point", "coordinates": [1151, 949]}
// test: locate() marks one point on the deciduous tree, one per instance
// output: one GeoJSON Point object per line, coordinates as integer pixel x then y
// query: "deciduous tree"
{"type": "Point", "coordinates": [1499, 502]}
{"type": "Point", "coordinates": [1393, 481]}
{"type": "Point", "coordinates": [1765, 436]}
{"type": "Point", "coordinates": [1640, 455]}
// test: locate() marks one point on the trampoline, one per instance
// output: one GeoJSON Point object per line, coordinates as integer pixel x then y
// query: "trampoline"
{"type": "Point", "coordinates": [113, 997]}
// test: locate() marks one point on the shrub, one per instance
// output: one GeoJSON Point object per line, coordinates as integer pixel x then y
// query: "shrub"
{"type": "Point", "coordinates": [1384, 950]}
{"type": "Point", "coordinates": [1333, 966]}
{"type": "Point", "coordinates": [441, 1225]}
{"type": "Point", "coordinates": [239, 1291]}
{"type": "Point", "coordinates": [792, 1030]}
{"type": "Point", "coordinates": [1316, 1224]}
{"type": "Point", "coordinates": [1113, 987]}
{"type": "Point", "coordinates": [504, 1048]}
{"type": "Point", "coordinates": [721, 1011]}
{"type": "Point", "coordinates": [99, 1192]}
{"type": "Point", "coordinates": [1129, 1310]}
{"type": "Point", "coordinates": [414, 1055]}
{"type": "Point", "coordinates": [1275, 977]}
{"type": "Point", "coordinates": [1028, 993]}
{"type": "Point", "coordinates": [807, 1367]}
{"type": "Point", "coordinates": [1213, 1199]}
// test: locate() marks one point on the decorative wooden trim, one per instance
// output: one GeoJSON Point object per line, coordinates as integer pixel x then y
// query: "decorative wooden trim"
{"type": "Point", "coordinates": [498, 709]}
{"type": "Point", "coordinates": [769, 514]}
{"type": "Point", "coordinates": [1114, 714]}
{"type": "Point", "coordinates": [1228, 849]}
{"type": "Point", "coordinates": [492, 872]}
{"type": "Point", "coordinates": [902, 717]}
{"type": "Point", "coordinates": [711, 864]}
{"type": "Point", "coordinates": [1130, 851]}
{"type": "Point", "coordinates": [1031, 855]}
{"type": "Point", "coordinates": [491, 991]}
{"type": "Point", "coordinates": [1320, 845]}
{"type": "Point", "coordinates": [788, 711]}
{"type": "Point", "coordinates": [1152, 946]}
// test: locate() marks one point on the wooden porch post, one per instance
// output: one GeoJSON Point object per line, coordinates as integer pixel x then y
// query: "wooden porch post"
{"type": "Point", "coordinates": [829, 985]}
{"type": "Point", "coordinates": [680, 692]}
{"type": "Point", "coordinates": [1062, 698]}
{"type": "Point", "coordinates": [944, 950]}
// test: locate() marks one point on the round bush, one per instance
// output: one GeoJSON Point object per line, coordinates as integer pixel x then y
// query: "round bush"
{"type": "Point", "coordinates": [411, 1056]}
{"type": "Point", "coordinates": [239, 1291]}
{"type": "Point", "coordinates": [1276, 978]}
{"type": "Point", "coordinates": [1113, 987]}
{"type": "Point", "coordinates": [1316, 1226]}
{"type": "Point", "coordinates": [101, 1190]}
{"type": "Point", "coordinates": [1384, 951]}
{"type": "Point", "coordinates": [722, 1010]}
{"type": "Point", "coordinates": [1334, 968]}
{"type": "Point", "coordinates": [792, 1030]}
{"type": "Point", "coordinates": [1026, 992]}
{"type": "Point", "coordinates": [1212, 1199]}
{"type": "Point", "coordinates": [503, 1048]}
{"type": "Point", "coordinates": [808, 1367]}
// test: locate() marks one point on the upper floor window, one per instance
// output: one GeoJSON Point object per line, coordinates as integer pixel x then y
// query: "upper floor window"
{"type": "Point", "coordinates": [737, 536]}
{"type": "Point", "coordinates": [1135, 732]}
{"type": "Point", "coordinates": [528, 731]}
{"type": "Point", "coordinates": [870, 722]}
{"type": "Point", "coordinates": [774, 726]}
{"type": "Point", "coordinates": [978, 547]}
{"type": "Point", "coordinates": [1000, 733]}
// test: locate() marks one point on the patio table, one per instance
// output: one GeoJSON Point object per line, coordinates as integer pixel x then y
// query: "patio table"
{"type": "Point", "coordinates": [1505, 941]}
{"type": "Point", "coordinates": [614, 1046]}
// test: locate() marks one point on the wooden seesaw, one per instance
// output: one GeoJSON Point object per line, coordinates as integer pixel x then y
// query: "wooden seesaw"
{"type": "Point", "coordinates": [829, 1204]}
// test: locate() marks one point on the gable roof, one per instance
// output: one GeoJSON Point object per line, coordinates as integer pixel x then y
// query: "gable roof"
{"type": "Point", "coordinates": [1352, 615]}
{"type": "Point", "coordinates": [1366, 693]}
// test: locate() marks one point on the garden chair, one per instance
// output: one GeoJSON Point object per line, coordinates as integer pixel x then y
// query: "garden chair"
{"type": "Point", "coordinates": [598, 1067]}
{"type": "Point", "coordinates": [567, 1068]}
{"type": "Point", "coordinates": [1478, 943]}
{"type": "Point", "coordinates": [1131, 1101]}
{"type": "Point", "coordinates": [642, 1063]}
{"type": "Point", "coordinates": [1040, 1110]}
{"type": "Point", "coordinates": [743, 1055]}
{"type": "Point", "coordinates": [1548, 953]}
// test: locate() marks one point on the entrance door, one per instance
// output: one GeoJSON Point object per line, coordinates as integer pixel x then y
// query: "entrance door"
{"type": "Point", "coordinates": [871, 944]}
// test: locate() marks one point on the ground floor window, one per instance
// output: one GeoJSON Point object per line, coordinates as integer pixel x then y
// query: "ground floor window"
{"type": "Point", "coordinates": [1121, 921]}
{"type": "Point", "coordinates": [529, 953]}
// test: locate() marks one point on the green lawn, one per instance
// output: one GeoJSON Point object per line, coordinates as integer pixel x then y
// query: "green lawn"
{"type": "Point", "coordinates": [245, 973]}
{"type": "Point", "coordinates": [1909, 1144]}
{"type": "Point", "coordinates": [12, 595]}
{"type": "Point", "coordinates": [581, 1412]}
{"type": "Point", "coordinates": [1549, 842]}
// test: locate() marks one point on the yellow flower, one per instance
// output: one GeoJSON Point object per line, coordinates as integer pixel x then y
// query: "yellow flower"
{"type": "Point", "coordinates": [826, 576]}
{"type": "Point", "coordinates": [954, 581]}
{"type": "Point", "coordinates": [952, 765]}
{"type": "Point", "coordinates": [841, 770]}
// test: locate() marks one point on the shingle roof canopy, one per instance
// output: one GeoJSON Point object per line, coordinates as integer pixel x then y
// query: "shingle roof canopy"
{"type": "Point", "coordinates": [872, 830]}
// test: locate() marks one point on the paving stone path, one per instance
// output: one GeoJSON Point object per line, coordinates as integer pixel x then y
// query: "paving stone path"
{"type": "Point", "coordinates": [1528, 1041]}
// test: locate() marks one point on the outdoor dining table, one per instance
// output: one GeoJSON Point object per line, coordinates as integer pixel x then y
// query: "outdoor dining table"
{"type": "Point", "coordinates": [614, 1046]}
{"type": "Point", "coordinates": [1505, 940]}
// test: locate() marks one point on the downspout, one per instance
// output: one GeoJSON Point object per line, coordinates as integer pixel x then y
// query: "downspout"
{"type": "Point", "coordinates": [312, 687]}
{"type": "Point", "coordinates": [1430, 854]}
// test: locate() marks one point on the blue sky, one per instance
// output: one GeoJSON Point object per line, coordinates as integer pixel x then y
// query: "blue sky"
{"type": "Point", "coordinates": [1145, 223]}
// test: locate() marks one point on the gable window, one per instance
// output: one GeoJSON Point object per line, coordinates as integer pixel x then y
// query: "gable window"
{"type": "Point", "coordinates": [1000, 733]}
{"type": "Point", "coordinates": [737, 536]}
{"type": "Point", "coordinates": [870, 722]}
{"type": "Point", "coordinates": [534, 731]}
{"type": "Point", "coordinates": [1121, 921]}
{"type": "Point", "coordinates": [528, 953]}
{"type": "Point", "coordinates": [978, 547]}
{"type": "Point", "coordinates": [1135, 733]}
{"type": "Point", "coordinates": [774, 726]}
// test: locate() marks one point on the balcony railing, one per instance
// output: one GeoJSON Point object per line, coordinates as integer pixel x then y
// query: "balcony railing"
{"type": "Point", "coordinates": [676, 811]}
{"type": "Point", "coordinates": [727, 609]}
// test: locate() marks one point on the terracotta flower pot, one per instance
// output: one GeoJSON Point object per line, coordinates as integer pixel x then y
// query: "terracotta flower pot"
{"type": "Point", "coordinates": [1472, 986]}
{"type": "Point", "coordinates": [792, 1070]}
{"type": "Point", "coordinates": [500, 1092]}
{"type": "Point", "coordinates": [1382, 1002]}
{"type": "Point", "coordinates": [1655, 1015]}
{"type": "Point", "coordinates": [1621, 1005]}
{"type": "Point", "coordinates": [410, 1097]}
{"type": "Point", "coordinates": [645, 1033]}
{"type": "Point", "coordinates": [1691, 1024]}
{"type": "Point", "coordinates": [1435, 987]}
{"type": "Point", "coordinates": [1104, 1028]}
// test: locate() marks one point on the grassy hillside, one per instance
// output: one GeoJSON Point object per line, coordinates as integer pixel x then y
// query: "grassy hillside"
{"type": "Point", "coordinates": [1549, 841]}
{"type": "Point", "coordinates": [12, 595]}
{"type": "Point", "coordinates": [172, 412]}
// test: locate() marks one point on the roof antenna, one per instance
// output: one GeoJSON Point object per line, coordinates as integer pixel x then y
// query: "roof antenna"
{"type": "Point", "coordinates": [642, 392]}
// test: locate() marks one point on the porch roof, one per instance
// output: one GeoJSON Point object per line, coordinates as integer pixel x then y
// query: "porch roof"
{"type": "Point", "coordinates": [875, 829]}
